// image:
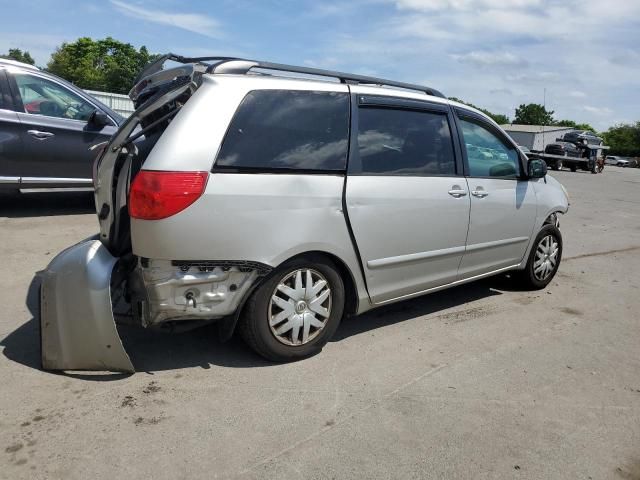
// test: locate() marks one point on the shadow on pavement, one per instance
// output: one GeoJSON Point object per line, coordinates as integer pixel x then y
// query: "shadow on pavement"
{"type": "Point", "coordinates": [46, 204]}
{"type": "Point", "coordinates": [157, 351]}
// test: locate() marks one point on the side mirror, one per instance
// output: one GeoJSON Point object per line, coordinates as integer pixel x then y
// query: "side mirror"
{"type": "Point", "coordinates": [99, 119]}
{"type": "Point", "coordinates": [537, 168]}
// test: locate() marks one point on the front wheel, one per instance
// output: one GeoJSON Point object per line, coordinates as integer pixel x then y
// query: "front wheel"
{"type": "Point", "coordinates": [544, 258]}
{"type": "Point", "coordinates": [295, 312]}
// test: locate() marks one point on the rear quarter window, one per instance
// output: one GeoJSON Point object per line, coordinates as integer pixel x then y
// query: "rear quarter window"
{"type": "Point", "coordinates": [282, 129]}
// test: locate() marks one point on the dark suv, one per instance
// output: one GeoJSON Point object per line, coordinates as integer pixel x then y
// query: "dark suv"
{"type": "Point", "coordinates": [583, 137]}
{"type": "Point", "coordinates": [565, 149]}
{"type": "Point", "coordinates": [47, 127]}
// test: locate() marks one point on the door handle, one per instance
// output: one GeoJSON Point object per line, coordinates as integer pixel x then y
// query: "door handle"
{"type": "Point", "coordinates": [457, 192]}
{"type": "Point", "coordinates": [479, 192]}
{"type": "Point", "coordinates": [40, 135]}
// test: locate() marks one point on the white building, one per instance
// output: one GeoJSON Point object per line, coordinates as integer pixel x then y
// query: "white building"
{"type": "Point", "coordinates": [535, 137]}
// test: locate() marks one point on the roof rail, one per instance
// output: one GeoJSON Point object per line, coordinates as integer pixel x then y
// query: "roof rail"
{"type": "Point", "coordinates": [240, 66]}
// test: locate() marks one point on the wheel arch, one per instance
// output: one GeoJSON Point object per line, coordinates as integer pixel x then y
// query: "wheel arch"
{"type": "Point", "coordinates": [227, 326]}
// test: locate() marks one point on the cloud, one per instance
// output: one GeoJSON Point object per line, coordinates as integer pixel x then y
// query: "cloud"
{"type": "Point", "coordinates": [496, 91]}
{"type": "Point", "coordinates": [537, 77]}
{"type": "Point", "coordinates": [430, 5]}
{"type": "Point", "coordinates": [600, 111]}
{"type": "Point", "coordinates": [39, 45]}
{"type": "Point", "coordinates": [577, 94]}
{"type": "Point", "coordinates": [193, 22]}
{"type": "Point", "coordinates": [490, 59]}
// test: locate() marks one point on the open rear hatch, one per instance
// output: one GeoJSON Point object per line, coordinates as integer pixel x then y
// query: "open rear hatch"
{"type": "Point", "coordinates": [78, 330]}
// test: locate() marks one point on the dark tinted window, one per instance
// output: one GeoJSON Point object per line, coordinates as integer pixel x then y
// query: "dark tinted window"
{"type": "Point", "coordinates": [288, 129]}
{"type": "Point", "coordinates": [4, 92]}
{"type": "Point", "coordinates": [487, 154]}
{"type": "Point", "coordinates": [44, 97]}
{"type": "Point", "coordinates": [404, 142]}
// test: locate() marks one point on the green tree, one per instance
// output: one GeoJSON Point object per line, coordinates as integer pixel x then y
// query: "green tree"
{"type": "Point", "coordinates": [19, 55]}
{"type": "Point", "coordinates": [533, 114]}
{"type": "Point", "coordinates": [577, 126]}
{"type": "Point", "coordinates": [107, 65]}
{"type": "Point", "coordinates": [497, 117]}
{"type": "Point", "coordinates": [624, 139]}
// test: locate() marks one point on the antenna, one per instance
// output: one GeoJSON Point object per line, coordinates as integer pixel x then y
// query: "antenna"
{"type": "Point", "coordinates": [544, 122]}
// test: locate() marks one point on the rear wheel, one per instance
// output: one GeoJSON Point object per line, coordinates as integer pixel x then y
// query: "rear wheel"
{"type": "Point", "coordinates": [544, 258]}
{"type": "Point", "coordinates": [295, 312]}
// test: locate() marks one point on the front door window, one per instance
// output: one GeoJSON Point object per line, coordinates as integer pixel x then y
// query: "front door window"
{"type": "Point", "coordinates": [488, 156]}
{"type": "Point", "coordinates": [43, 97]}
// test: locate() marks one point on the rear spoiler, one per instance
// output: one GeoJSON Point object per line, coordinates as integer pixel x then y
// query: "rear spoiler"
{"type": "Point", "coordinates": [154, 76]}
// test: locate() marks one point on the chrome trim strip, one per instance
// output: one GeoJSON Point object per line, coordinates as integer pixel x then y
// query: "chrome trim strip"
{"type": "Point", "coordinates": [53, 190]}
{"type": "Point", "coordinates": [9, 180]}
{"type": "Point", "coordinates": [53, 180]}
{"type": "Point", "coordinates": [495, 243]}
{"type": "Point", "coordinates": [413, 257]}
{"type": "Point", "coordinates": [452, 284]}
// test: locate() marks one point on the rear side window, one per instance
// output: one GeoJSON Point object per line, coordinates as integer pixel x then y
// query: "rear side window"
{"type": "Point", "coordinates": [404, 142]}
{"type": "Point", "coordinates": [282, 129]}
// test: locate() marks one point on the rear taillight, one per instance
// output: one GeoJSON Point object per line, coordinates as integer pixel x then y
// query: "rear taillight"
{"type": "Point", "coordinates": [156, 194]}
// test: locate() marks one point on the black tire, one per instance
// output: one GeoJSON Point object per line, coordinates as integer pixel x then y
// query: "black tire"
{"type": "Point", "coordinates": [573, 168]}
{"type": "Point", "coordinates": [559, 165]}
{"type": "Point", "coordinates": [527, 277]}
{"type": "Point", "coordinates": [254, 321]}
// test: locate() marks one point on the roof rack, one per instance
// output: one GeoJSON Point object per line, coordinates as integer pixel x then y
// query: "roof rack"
{"type": "Point", "coordinates": [241, 66]}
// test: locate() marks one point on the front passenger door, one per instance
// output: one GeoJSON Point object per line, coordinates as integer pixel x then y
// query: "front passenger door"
{"type": "Point", "coordinates": [503, 203]}
{"type": "Point", "coordinates": [56, 133]}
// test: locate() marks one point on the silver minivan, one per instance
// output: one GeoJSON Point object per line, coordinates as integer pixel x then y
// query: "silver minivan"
{"type": "Point", "coordinates": [277, 203]}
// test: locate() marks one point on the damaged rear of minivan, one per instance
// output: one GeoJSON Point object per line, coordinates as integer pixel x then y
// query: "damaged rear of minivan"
{"type": "Point", "coordinates": [167, 255]}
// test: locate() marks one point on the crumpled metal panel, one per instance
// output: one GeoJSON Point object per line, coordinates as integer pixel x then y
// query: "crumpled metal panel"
{"type": "Point", "coordinates": [78, 331]}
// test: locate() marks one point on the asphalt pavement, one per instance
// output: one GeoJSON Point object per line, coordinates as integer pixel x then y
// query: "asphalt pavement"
{"type": "Point", "coordinates": [481, 381]}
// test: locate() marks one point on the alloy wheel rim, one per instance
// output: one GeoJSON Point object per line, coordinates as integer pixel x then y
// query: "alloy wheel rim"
{"type": "Point", "coordinates": [300, 307]}
{"type": "Point", "coordinates": [546, 257]}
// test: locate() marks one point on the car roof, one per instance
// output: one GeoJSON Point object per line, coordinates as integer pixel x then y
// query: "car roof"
{"type": "Point", "coordinates": [15, 63]}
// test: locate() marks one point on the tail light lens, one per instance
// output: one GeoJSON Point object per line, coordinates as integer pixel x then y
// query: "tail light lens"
{"type": "Point", "coordinates": [155, 194]}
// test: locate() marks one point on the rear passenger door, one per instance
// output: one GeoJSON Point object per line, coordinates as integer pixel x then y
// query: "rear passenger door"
{"type": "Point", "coordinates": [407, 200]}
{"type": "Point", "coordinates": [503, 202]}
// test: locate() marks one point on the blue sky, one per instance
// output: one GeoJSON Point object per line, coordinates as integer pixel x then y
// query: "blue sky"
{"type": "Point", "coordinates": [496, 54]}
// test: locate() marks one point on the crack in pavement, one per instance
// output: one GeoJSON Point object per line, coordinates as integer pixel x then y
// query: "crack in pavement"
{"type": "Point", "coordinates": [599, 254]}
{"type": "Point", "coordinates": [326, 428]}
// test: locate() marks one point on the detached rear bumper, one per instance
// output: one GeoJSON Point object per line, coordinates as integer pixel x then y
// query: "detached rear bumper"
{"type": "Point", "coordinates": [77, 327]}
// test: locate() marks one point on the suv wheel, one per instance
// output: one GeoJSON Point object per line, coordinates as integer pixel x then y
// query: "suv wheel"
{"type": "Point", "coordinates": [544, 258]}
{"type": "Point", "coordinates": [295, 312]}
